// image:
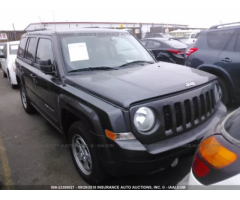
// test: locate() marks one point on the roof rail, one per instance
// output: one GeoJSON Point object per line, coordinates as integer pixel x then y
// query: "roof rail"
{"type": "Point", "coordinates": [216, 26]}
{"type": "Point", "coordinates": [38, 29]}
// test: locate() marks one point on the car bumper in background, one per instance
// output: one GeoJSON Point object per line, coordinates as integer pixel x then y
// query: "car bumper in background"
{"type": "Point", "coordinates": [228, 184]}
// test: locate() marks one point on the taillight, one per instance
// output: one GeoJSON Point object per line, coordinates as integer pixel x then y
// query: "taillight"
{"type": "Point", "coordinates": [175, 51]}
{"type": "Point", "coordinates": [211, 155]}
{"type": "Point", "coordinates": [199, 168]}
{"type": "Point", "coordinates": [216, 154]}
{"type": "Point", "coordinates": [193, 40]}
{"type": "Point", "coordinates": [191, 50]}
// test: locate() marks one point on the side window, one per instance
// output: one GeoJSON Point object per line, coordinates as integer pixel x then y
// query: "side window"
{"type": "Point", "coordinates": [153, 45]}
{"type": "Point", "coordinates": [237, 47]}
{"type": "Point", "coordinates": [218, 39]}
{"type": "Point", "coordinates": [234, 44]}
{"type": "Point", "coordinates": [21, 47]}
{"type": "Point", "coordinates": [44, 50]}
{"type": "Point", "coordinates": [144, 42]}
{"type": "Point", "coordinates": [30, 51]}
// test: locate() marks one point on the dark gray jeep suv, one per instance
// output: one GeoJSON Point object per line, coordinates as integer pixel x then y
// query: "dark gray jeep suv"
{"type": "Point", "coordinates": [120, 110]}
{"type": "Point", "coordinates": [217, 51]}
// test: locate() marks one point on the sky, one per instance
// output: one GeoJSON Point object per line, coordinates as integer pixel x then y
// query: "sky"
{"type": "Point", "coordinates": [196, 14]}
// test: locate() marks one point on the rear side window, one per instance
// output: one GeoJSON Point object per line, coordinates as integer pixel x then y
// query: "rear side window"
{"type": "Point", "coordinates": [30, 51]}
{"type": "Point", "coordinates": [13, 49]}
{"type": "Point", "coordinates": [21, 47]}
{"type": "Point", "coordinates": [218, 39]}
{"type": "Point", "coordinates": [44, 50]}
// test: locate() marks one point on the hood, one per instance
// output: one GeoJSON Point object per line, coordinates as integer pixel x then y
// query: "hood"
{"type": "Point", "coordinates": [129, 85]}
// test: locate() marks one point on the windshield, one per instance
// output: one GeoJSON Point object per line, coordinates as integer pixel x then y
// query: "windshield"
{"type": "Point", "coordinates": [13, 49]}
{"type": "Point", "coordinates": [109, 51]}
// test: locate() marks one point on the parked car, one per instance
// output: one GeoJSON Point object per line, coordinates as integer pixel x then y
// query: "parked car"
{"type": "Point", "coordinates": [216, 162]}
{"type": "Point", "coordinates": [1, 52]}
{"type": "Point", "coordinates": [217, 51]}
{"type": "Point", "coordinates": [166, 49]}
{"type": "Point", "coordinates": [121, 111]}
{"type": "Point", "coordinates": [8, 62]}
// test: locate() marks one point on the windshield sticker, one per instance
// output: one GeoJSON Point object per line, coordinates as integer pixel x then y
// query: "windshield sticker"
{"type": "Point", "coordinates": [13, 47]}
{"type": "Point", "coordinates": [78, 51]}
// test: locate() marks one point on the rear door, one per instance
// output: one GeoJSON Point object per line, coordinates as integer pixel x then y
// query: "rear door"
{"type": "Point", "coordinates": [229, 60]}
{"type": "Point", "coordinates": [27, 67]}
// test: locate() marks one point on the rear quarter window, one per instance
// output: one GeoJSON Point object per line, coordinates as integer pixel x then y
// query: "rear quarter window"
{"type": "Point", "coordinates": [21, 47]}
{"type": "Point", "coordinates": [218, 39]}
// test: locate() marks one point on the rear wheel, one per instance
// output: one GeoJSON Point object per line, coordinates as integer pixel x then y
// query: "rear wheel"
{"type": "Point", "coordinates": [4, 75]}
{"type": "Point", "coordinates": [225, 94]}
{"type": "Point", "coordinates": [84, 154]}
{"type": "Point", "coordinates": [25, 102]}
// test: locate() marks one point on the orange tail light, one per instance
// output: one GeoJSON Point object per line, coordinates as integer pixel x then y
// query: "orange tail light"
{"type": "Point", "coordinates": [215, 154]}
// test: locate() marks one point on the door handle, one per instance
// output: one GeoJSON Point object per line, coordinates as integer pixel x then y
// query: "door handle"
{"type": "Point", "coordinates": [33, 75]}
{"type": "Point", "coordinates": [227, 60]}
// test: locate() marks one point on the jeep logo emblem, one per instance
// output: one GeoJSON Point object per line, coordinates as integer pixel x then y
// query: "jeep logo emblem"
{"type": "Point", "coordinates": [191, 84]}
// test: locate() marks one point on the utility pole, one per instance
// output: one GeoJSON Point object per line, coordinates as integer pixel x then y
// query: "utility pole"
{"type": "Point", "coordinates": [15, 37]}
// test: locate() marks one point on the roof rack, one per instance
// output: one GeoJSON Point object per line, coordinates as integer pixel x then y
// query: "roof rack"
{"type": "Point", "coordinates": [38, 29]}
{"type": "Point", "coordinates": [216, 26]}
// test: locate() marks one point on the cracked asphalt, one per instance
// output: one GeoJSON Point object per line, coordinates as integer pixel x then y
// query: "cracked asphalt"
{"type": "Point", "coordinates": [31, 154]}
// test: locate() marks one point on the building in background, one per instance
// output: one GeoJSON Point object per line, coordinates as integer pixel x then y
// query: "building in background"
{"type": "Point", "coordinates": [8, 36]}
{"type": "Point", "coordinates": [138, 29]}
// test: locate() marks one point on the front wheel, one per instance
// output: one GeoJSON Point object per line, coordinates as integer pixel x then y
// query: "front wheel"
{"type": "Point", "coordinates": [29, 109]}
{"type": "Point", "coordinates": [84, 154]}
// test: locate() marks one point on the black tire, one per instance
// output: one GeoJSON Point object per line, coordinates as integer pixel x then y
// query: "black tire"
{"type": "Point", "coordinates": [29, 109]}
{"type": "Point", "coordinates": [225, 94]}
{"type": "Point", "coordinates": [4, 75]}
{"type": "Point", "coordinates": [97, 174]}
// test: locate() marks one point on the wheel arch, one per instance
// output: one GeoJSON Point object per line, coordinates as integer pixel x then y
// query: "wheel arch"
{"type": "Point", "coordinates": [220, 72]}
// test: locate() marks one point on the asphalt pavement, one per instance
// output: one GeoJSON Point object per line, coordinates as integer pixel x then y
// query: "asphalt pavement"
{"type": "Point", "coordinates": [32, 152]}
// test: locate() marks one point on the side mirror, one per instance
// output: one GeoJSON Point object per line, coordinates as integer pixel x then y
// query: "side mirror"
{"type": "Point", "coordinates": [46, 66]}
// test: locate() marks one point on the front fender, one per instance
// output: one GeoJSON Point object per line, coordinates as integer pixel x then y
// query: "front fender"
{"type": "Point", "coordinates": [103, 115]}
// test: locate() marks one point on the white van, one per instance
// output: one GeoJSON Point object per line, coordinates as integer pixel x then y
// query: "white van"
{"type": "Point", "coordinates": [186, 36]}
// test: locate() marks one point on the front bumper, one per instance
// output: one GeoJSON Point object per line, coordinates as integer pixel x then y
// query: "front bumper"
{"type": "Point", "coordinates": [133, 157]}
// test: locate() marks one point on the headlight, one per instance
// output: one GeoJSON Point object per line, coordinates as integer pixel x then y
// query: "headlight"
{"type": "Point", "coordinates": [217, 93]}
{"type": "Point", "coordinates": [144, 119]}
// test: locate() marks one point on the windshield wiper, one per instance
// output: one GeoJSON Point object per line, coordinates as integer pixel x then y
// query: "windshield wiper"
{"type": "Point", "coordinates": [135, 62]}
{"type": "Point", "coordinates": [93, 68]}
